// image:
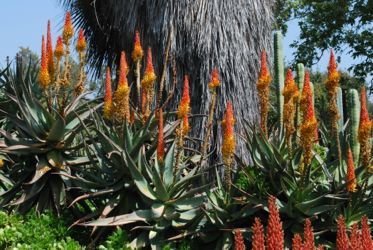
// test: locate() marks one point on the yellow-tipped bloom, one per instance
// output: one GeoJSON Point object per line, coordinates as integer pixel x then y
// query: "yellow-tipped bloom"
{"type": "Point", "coordinates": [44, 78]}
{"type": "Point", "coordinates": [149, 76]}
{"type": "Point", "coordinates": [333, 74]}
{"type": "Point", "coordinates": [184, 106]}
{"type": "Point", "coordinates": [290, 94]}
{"type": "Point", "coordinates": [229, 140]}
{"type": "Point", "coordinates": [263, 91]}
{"type": "Point", "coordinates": [68, 30]}
{"type": "Point", "coordinates": [108, 99]}
{"type": "Point", "coordinates": [365, 130]}
{"type": "Point", "coordinates": [121, 95]}
{"type": "Point", "coordinates": [137, 52]}
{"type": "Point", "coordinates": [215, 79]}
{"type": "Point", "coordinates": [59, 51]}
{"type": "Point", "coordinates": [307, 131]}
{"type": "Point", "coordinates": [50, 51]}
{"type": "Point", "coordinates": [81, 44]}
{"type": "Point", "coordinates": [350, 178]}
{"type": "Point", "coordinates": [306, 91]}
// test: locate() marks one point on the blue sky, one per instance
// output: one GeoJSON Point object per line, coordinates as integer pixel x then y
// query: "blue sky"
{"type": "Point", "coordinates": [23, 22]}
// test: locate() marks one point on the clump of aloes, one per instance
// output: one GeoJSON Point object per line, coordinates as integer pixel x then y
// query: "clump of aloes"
{"type": "Point", "coordinates": [365, 132]}
{"type": "Point", "coordinates": [263, 92]}
{"type": "Point", "coordinates": [290, 94]}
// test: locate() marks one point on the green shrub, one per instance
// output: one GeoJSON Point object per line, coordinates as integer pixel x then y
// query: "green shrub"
{"type": "Point", "coordinates": [34, 232]}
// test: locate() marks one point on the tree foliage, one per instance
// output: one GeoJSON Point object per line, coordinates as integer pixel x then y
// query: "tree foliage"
{"type": "Point", "coordinates": [344, 25]}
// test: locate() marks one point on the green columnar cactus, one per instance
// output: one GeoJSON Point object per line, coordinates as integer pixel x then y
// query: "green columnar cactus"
{"type": "Point", "coordinates": [279, 72]}
{"type": "Point", "coordinates": [353, 107]}
{"type": "Point", "coordinates": [340, 109]}
{"type": "Point", "coordinates": [300, 82]}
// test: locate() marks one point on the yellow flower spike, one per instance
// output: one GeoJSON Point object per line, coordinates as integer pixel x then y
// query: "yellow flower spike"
{"type": "Point", "coordinates": [215, 79]}
{"type": "Point", "coordinates": [121, 95]}
{"type": "Point", "coordinates": [44, 78]}
{"type": "Point", "coordinates": [149, 76]}
{"type": "Point", "coordinates": [59, 51]}
{"type": "Point", "coordinates": [229, 141]}
{"type": "Point", "coordinates": [184, 106]}
{"type": "Point", "coordinates": [290, 94]}
{"type": "Point", "coordinates": [68, 30]}
{"type": "Point", "coordinates": [81, 45]}
{"type": "Point", "coordinates": [263, 91]}
{"type": "Point", "coordinates": [137, 52]}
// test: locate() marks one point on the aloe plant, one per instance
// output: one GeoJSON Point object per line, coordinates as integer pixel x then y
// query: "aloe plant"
{"type": "Point", "coordinates": [42, 144]}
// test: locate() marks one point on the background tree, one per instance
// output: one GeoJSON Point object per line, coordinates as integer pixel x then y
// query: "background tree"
{"type": "Point", "coordinates": [228, 35]}
{"type": "Point", "coordinates": [344, 25]}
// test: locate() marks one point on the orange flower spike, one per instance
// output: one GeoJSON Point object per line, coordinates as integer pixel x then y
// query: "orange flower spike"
{"type": "Point", "coordinates": [258, 242]}
{"type": "Point", "coordinates": [81, 45]}
{"type": "Point", "coordinates": [68, 30]}
{"type": "Point", "coordinates": [184, 106]}
{"type": "Point", "coordinates": [365, 123]}
{"type": "Point", "coordinates": [160, 145]}
{"type": "Point", "coordinates": [333, 74]}
{"type": "Point", "coordinates": [307, 91]}
{"type": "Point", "coordinates": [44, 77]}
{"type": "Point", "coordinates": [123, 71]}
{"type": "Point", "coordinates": [366, 238]}
{"type": "Point", "coordinates": [50, 51]}
{"type": "Point", "coordinates": [264, 76]}
{"type": "Point", "coordinates": [215, 79]}
{"type": "Point", "coordinates": [297, 243]}
{"type": "Point", "coordinates": [108, 98]}
{"type": "Point", "coordinates": [137, 52]}
{"type": "Point", "coordinates": [355, 238]}
{"type": "Point", "coordinates": [290, 90]}
{"type": "Point", "coordinates": [309, 241]}
{"type": "Point", "coordinates": [275, 232]}
{"type": "Point", "coordinates": [350, 178]}
{"type": "Point", "coordinates": [149, 76]}
{"type": "Point", "coordinates": [59, 51]}
{"type": "Point", "coordinates": [229, 141]}
{"type": "Point", "coordinates": [342, 237]}
{"type": "Point", "coordinates": [239, 243]}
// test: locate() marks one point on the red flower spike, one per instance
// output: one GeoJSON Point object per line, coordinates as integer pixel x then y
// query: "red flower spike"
{"type": "Point", "coordinates": [309, 241]}
{"type": "Point", "coordinates": [160, 145]}
{"type": "Point", "coordinates": [58, 52]}
{"type": "Point", "coordinates": [123, 71]}
{"type": "Point", "coordinates": [215, 79]}
{"type": "Point", "coordinates": [258, 242]}
{"type": "Point", "coordinates": [275, 232]}
{"type": "Point", "coordinates": [342, 241]}
{"type": "Point", "coordinates": [366, 238]}
{"type": "Point", "coordinates": [68, 30]}
{"type": "Point", "coordinates": [44, 77]}
{"type": "Point", "coordinates": [297, 243]}
{"type": "Point", "coordinates": [239, 243]}
{"type": "Point", "coordinates": [333, 74]}
{"type": "Point", "coordinates": [184, 106]}
{"type": "Point", "coordinates": [137, 52]}
{"type": "Point", "coordinates": [108, 98]}
{"type": "Point", "coordinates": [149, 76]}
{"type": "Point", "coordinates": [355, 239]}
{"type": "Point", "coordinates": [350, 178]}
{"type": "Point", "coordinates": [81, 45]}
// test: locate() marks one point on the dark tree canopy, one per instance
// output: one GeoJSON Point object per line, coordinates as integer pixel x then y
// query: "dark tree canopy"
{"type": "Point", "coordinates": [344, 25]}
{"type": "Point", "coordinates": [228, 35]}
